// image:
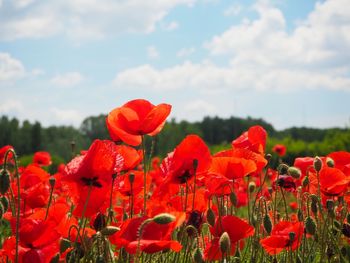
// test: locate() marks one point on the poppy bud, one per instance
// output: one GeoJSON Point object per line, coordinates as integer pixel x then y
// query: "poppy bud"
{"type": "Point", "coordinates": [163, 218]}
{"type": "Point", "coordinates": [267, 224]}
{"type": "Point", "coordinates": [330, 205]}
{"type": "Point", "coordinates": [329, 162]}
{"type": "Point", "coordinates": [314, 200]}
{"type": "Point", "coordinates": [4, 181]}
{"type": "Point", "coordinates": [52, 181]}
{"type": "Point", "coordinates": [233, 198]}
{"type": "Point", "coordinates": [131, 178]}
{"type": "Point", "coordinates": [346, 229]}
{"type": "Point", "coordinates": [317, 163]}
{"type": "Point", "coordinates": [211, 217]}
{"type": "Point", "coordinates": [64, 244]}
{"type": "Point", "coordinates": [310, 226]}
{"type": "Point", "coordinates": [294, 172]}
{"type": "Point", "coordinates": [306, 181]}
{"type": "Point", "coordinates": [100, 222]}
{"type": "Point", "coordinates": [225, 243]}
{"type": "Point", "coordinates": [198, 256]}
{"type": "Point", "coordinates": [282, 168]}
{"type": "Point", "coordinates": [5, 203]}
{"type": "Point", "coordinates": [109, 230]}
{"type": "Point", "coordinates": [300, 215]}
{"type": "Point", "coordinates": [268, 156]}
{"type": "Point", "coordinates": [251, 187]}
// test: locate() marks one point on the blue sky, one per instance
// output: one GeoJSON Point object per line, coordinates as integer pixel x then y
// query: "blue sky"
{"type": "Point", "coordinates": [286, 61]}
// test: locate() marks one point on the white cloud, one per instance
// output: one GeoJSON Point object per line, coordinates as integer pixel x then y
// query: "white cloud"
{"type": "Point", "coordinates": [233, 10]}
{"type": "Point", "coordinates": [171, 26]}
{"type": "Point", "coordinates": [11, 106]}
{"type": "Point", "coordinates": [152, 52]}
{"type": "Point", "coordinates": [185, 52]}
{"type": "Point", "coordinates": [10, 68]}
{"type": "Point", "coordinates": [80, 19]}
{"type": "Point", "coordinates": [68, 79]}
{"type": "Point", "coordinates": [200, 107]}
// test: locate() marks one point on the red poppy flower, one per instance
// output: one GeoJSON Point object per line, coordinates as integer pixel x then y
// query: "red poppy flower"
{"type": "Point", "coordinates": [154, 238]}
{"type": "Point", "coordinates": [178, 167]}
{"type": "Point", "coordinates": [333, 181]}
{"type": "Point", "coordinates": [42, 158]}
{"type": "Point", "coordinates": [136, 118]}
{"type": "Point", "coordinates": [280, 149]}
{"type": "Point", "coordinates": [96, 166]}
{"type": "Point", "coordinates": [3, 151]}
{"type": "Point", "coordinates": [254, 139]}
{"type": "Point", "coordinates": [281, 237]}
{"type": "Point", "coordinates": [341, 161]}
{"type": "Point", "coordinates": [236, 228]}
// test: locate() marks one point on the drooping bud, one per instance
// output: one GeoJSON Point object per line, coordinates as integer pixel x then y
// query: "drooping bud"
{"type": "Point", "coordinates": [109, 230]}
{"type": "Point", "coordinates": [198, 256]}
{"type": "Point", "coordinates": [267, 224]}
{"type": "Point", "coordinates": [310, 226]}
{"type": "Point", "coordinates": [306, 181]}
{"type": "Point", "coordinates": [317, 163]}
{"type": "Point", "coordinates": [329, 162]}
{"type": "Point", "coordinates": [251, 187]}
{"type": "Point", "coordinates": [64, 244]}
{"type": "Point", "coordinates": [4, 181]}
{"type": "Point", "coordinates": [294, 172]}
{"type": "Point", "coordinates": [233, 198]}
{"type": "Point", "coordinates": [225, 243]}
{"type": "Point", "coordinates": [211, 217]}
{"type": "Point", "coordinates": [163, 218]}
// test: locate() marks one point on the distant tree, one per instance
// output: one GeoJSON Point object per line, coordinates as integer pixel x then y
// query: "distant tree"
{"type": "Point", "coordinates": [95, 127]}
{"type": "Point", "coordinates": [36, 137]}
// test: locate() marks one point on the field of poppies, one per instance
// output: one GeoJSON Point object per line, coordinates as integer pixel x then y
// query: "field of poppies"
{"type": "Point", "coordinates": [116, 202]}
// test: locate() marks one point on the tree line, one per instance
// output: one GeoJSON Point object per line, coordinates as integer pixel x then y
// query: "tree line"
{"type": "Point", "coordinates": [217, 132]}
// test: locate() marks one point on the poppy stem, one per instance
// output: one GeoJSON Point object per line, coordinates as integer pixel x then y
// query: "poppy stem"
{"type": "Point", "coordinates": [50, 200]}
{"type": "Point", "coordinates": [144, 175]}
{"type": "Point", "coordinates": [18, 197]}
{"type": "Point", "coordinates": [110, 210]}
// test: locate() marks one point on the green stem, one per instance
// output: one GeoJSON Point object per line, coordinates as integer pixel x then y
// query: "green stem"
{"type": "Point", "coordinates": [144, 175]}
{"type": "Point", "coordinates": [50, 200]}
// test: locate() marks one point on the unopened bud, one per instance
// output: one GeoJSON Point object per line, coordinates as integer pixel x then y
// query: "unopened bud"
{"type": "Point", "coordinates": [211, 217]}
{"type": "Point", "coordinates": [317, 163]}
{"type": "Point", "coordinates": [109, 230]}
{"type": "Point", "coordinates": [337, 224]}
{"type": "Point", "coordinates": [310, 226]}
{"type": "Point", "coordinates": [291, 237]}
{"type": "Point", "coordinates": [294, 172]}
{"type": "Point", "coordinates": [251, 187]}
{"type": "Point", "coordinates": [346, 230]}
{"type": "Point", "coordinates": [306, 181]}
{"type": "Point", "coordinates": [100, 222]}
{"type": "Point", "coordinates": [163, 218]}
{"type": "Point", "coordinates": [282, 168]}
{"type": "Point", "coordinates": [267, 224]}
{"type": "Point", "coordinates": [330, 205]}
{"type": "Point", "coordinates": [233, 198]}
{"type": "Point", "coordinates": [329, 162]}
{"type": "Point", "coordinates": [198, 256]}
{"type": "Point", "coordinates": [225, 243]}
{"type": "Point", "coordinates": [4, 181]}
{"type": "Point", "coordinates": [268, 156]}
{"type": "Point", "coordinates": [64, 244]}
{"type": "Point", "coordinates": [314, 200]}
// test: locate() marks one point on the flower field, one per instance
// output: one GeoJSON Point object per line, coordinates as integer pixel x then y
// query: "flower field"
{"type": "Point", "coordinates": [116, 202]}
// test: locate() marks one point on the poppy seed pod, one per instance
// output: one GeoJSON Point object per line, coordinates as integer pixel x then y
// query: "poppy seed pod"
{"type": "Point", "coordinates": [294, 172]}
{"type": "Point", "coordinates": [131, 178]}
{"type": "Point", "coordinates": [52, 181]}
{"type": "Point", "coordinates": [4, 181]}
{"type": "Point", "coordinates": [163, 218]}
{"type": "Point", "coordinates": [310, 226]}
{"type": "Point", "coordinates": [282, 168]}
{"type": "Point", "coordinates": [225, 243]}
{"type": "Point", "coordinates": [317, 163]}
{"type": "Point", "coordinates": [251, 187]}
